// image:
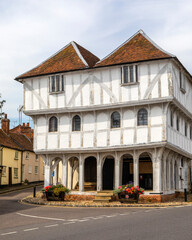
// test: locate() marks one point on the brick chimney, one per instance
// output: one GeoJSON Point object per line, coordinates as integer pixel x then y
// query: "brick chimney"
{"type": "Point", "coordinates": [5, 124]}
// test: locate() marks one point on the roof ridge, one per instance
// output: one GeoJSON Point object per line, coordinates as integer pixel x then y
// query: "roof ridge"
{"type": "Point", "coordinates": [17, 78]}
{"type": "Point", "coordinates": [129, 39]}
{"type": "Point", "coordinates": [74, 44]}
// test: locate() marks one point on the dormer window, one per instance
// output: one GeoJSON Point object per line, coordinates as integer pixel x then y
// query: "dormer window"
{"type": "Point", "coordinates": [129, 74]}
{"type": "Point", "coordinates": [56, 83]}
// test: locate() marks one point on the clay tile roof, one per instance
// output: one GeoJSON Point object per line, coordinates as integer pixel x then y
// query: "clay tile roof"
{"type": "Point", "coordinates": [71, 57]}
{"type": "Point", "coordinates": [22, 141]}
{"type": "Point", "coordinates": [138, 48]}
{"type": "Point", "coordinates": [15, 141]}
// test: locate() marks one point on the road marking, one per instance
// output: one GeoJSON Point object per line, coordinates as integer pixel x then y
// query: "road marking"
{"type": "Point", "coordinates": [72, 220]}
{"type": "Point", "coordinates": [95, 218]}
{"type": "Point", "coordinates": [47, 218]}
{"type": "Point", "coordinates": [147, 210]}
{"type": "Point", "coordinates": [68, 223]}
{"type": "Point", "coordinates": [30, 229]}
{"type": "Point", "coordinates": [3, 234]}
{"type": "Point", "coordinates": [110, 216]}
{"type": "Point", "coordinates": [83, 220]}
{"type": "Point", "coordinates": [54, 225]}
{"type": "Point", "coordinates": [123, 214]}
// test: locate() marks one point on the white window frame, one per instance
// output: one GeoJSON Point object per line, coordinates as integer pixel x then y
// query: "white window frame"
{"type": "Point", "coordinates": [135, 75]}
{"type": "Point", "coordinates": [36, 170]}
{"type": "Point", "coordinates": [59, 88]}
{"type": "Point", "coordinates": [15, 172]}
{"type": "Point", "coordinates": [4, 171]}
{"type": "Point", "coordinates": [30, 169]}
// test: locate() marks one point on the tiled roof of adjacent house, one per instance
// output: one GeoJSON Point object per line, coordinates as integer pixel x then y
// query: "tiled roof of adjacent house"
{"type": "Point", "coordinates": [138, 48]}
{"type": "Point", "coordinates": [15, 141]}
{"type": "Point", "coordinates": [71, 57]}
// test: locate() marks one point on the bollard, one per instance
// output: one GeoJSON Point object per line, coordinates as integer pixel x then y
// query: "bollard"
{"type": "Point", "coordinates": [34, 191]}
{"type": "Point", "coordinates": [185, 192]}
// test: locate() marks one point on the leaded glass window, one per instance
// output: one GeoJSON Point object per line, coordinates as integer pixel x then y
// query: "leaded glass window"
{"type": "Point", "coordinates": [53, 124]}
{"type": "Point", "coordinates": [76, 123]}
{"type": "Point", "coordinates": [142, 117]}
{"type": "Point", "coordinates": [115, 120]}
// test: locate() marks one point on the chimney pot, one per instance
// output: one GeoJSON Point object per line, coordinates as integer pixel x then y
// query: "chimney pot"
{"type": "Point", "coordinates": [23, 124]}
{"type": "Point", "coordinates": [5, 115]}
{"type": "Point", "coordinates": [27, 124]}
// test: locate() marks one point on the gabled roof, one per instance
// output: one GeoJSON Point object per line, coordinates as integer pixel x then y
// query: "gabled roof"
{"type": "Point", "coordinates": [138, 48]}
{"type": "Point", "coordinates": [15, 141]}
{"type": "Point", "coordinates": [71, 57]}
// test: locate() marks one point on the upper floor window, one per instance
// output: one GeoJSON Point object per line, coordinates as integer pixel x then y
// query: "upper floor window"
{"type": "Point", "coordinates": [16, 154]}
{"type": "Point", "coordinates": [142, 117]}
{"type": "Point", "coordinates": [115, 120]}
{"type": "Point", "coordinates": [15, 172]}
{"type": "Point", "coordinates": [185, 129]}
{"type": "Point", "coordinates": [76, 123]}
{"type": "Point", "coordinates": [177, 123]}
{"type": "Point", "coordinates": [181, 81]}
{"type": "Point", "coordinates": [56, 83]}
{"type": "Point", "coordinates": [190, 132]}
{"type": "Point", "coordinates": [171, 119]}
{"type": "Point", "coordinates": [129, 74]}
{"type": "Point", "coordinates": [27, 155]}
{"type": "Point", "coordinates": [53, 124]}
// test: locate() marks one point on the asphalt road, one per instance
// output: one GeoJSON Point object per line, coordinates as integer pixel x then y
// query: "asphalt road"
{"type": "Point", "coordinates": [21, 221]}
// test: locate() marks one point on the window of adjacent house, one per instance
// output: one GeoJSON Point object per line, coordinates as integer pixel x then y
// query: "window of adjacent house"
{"type": "Point", "coordinates": [129, 74]}
{"type": "Point", "coordinates": [171, 119]}
{"type": "Point", "coordinates": [142, 117]}
{"type": "Point", "coordinates": [185, 129]}
{"type": "Point", "coordinates": [76, 123]}
{"type": "Point", "coordinates": [56, 83]}
{"type": "Point", "coordinates": [177, 123]}
{"type": "Point", "coordinates": [36, 157]}
{"type": "Point", "coordinates": [30, 169]}
{"type": "Point", "coordinates": [115, 120]}
{"type": "Point", "coordinates": [15, 172]}
{"type": "Point", "coordinates": [181, 81]}
{"type": "Point", "coordinates": [4, 171]}
{"type": "Point", "coordinates": [36, 169]}
{"type": "Point", "coordinates": [16, 154]}
{"type": "Point", "coordinates": [27, 155]}
{"type": "Point", "coordinates": [53, 124]}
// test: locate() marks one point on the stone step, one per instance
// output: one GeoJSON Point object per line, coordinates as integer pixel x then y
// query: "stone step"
{"type": "Point", "coordinates": [104, 194]}
{"type": "Point", "coordinates": [102, 197]}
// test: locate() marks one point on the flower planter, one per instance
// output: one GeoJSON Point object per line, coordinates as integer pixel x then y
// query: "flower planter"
{"type": "Point", "coordinates": [51, 196]}
{"type": "Point", "coordinates": [125, 197]}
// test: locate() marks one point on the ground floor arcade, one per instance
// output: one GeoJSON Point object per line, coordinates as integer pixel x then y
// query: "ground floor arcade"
{"type": "Point", "coordinates": [157, 170]}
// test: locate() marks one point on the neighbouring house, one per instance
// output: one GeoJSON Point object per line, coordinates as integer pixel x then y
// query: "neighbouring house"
{"type": "Point", "coordinates": [17, 159]}
{"type": "Point", "coordinates": [107, 122]}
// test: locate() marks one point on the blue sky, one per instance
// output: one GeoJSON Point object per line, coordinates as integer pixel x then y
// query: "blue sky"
{"type": "Point", "coordinates": [33, 30]}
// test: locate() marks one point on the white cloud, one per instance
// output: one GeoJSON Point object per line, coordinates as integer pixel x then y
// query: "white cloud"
{"type": "Point", "coordinates": [32, 30]}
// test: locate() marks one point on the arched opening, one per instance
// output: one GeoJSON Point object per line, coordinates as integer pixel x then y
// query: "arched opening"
{"type": "Point", "coordinates": [56, 171]}
{"type": "Point", "coordinates": [127, 169]}
{"type": "Point", "coordinates": [145, 172]}
{"type": "Point", "coordinates": [73, 173]}
{"type": "Point", "coordinates": [76, 123]}
{"type": "Point", "coordinates": [90, 173]}
{"type": "Point", "coordinates": [53, 124]}
{"type": "Point", "coordinates": [115, 120]}
{"type": "Point", "coordinates": [108, 173]}
{"type": "Point", "coordinates": [142, 117]}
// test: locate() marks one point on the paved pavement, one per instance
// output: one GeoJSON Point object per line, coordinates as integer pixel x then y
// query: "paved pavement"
{"type": "Point", "coordinates": [20, 221]}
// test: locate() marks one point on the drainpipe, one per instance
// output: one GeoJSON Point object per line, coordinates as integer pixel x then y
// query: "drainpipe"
{"type": "Point", "coordinates": [1, 163]}
{"type": "Point", "coordinates": [21, 164]}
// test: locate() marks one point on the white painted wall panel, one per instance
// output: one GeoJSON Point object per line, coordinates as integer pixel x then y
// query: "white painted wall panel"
{"type": "Point", "coordinates": [115, 137]}
{"type": "Point", "coordinates": [44, 88]}
{"type": "Point", "coordinates": [36, 90]}
{"type": "Point", "coordinates": [102, 121]}
{"type": "Point", "coordinates": [143, 69]}
{"type": "Point", "coordinates": [128, 119]}
{"type": "Point", "coordinates": [156, 134]}
{"type": "Point", "coordinates": [76, 140]}
{"type": "Point", "coordinates": [41, 142]}
{"type": "Point", "coordinates": [69, 87]}
{"type": "Point", "coordinates": [102, 139]}
{"type": "Point", "coordinates": [88, 122]}
{"type": "Point", "coordinates": [64, 140]}
{"type": "Point", "coordinates": [86, 95]}
{"type": "Point", "coordinates": [115, 76]}
{"type": "Point", "coordinates": [164, 85]}
{"type": "Point", "coordinates": [64, 123]}
{"type": "Point", "coordinates": [60, 100]}
{"type": "Point", "coordinates": [88, 140]}
{"type": "Point", "coordinates": [97, 93]}
{"type": "Point", "coordinates": [41, 125]}
{"type": "Point", "coordinates": [52, 141]}
{"type": "Point", "coordinates": [156, 115]}
{"type": "Point", "coordinates": [128, 136]}
{"type": "Point", "coordinates": [142, 133]}
{"type": "Point", "coordinates": [106, 82]}
{"type": "Point", "coordinates": [52, 100]}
